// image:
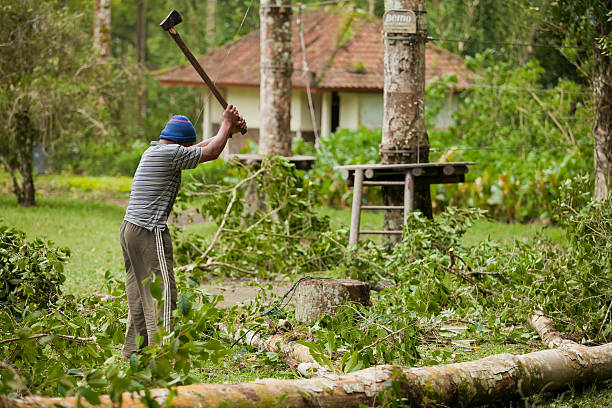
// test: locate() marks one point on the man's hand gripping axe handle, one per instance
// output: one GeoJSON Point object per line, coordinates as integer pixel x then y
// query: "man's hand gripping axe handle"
{"type": "Point", "coordinates": [168, 24]}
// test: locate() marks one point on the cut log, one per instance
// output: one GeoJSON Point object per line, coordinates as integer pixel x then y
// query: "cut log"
{"type": "Point", "coordinates": [495, 378]}
{"type": "Point", "coordinates": [316, 297]}
{"type": "Point", "coordinates": [296, 355]}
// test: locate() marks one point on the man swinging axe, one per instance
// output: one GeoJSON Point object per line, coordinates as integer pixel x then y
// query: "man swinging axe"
{"type": "Point", "coordinates": [145, 239]}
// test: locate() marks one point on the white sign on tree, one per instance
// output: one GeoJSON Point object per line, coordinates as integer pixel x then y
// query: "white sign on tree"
{"type": "Point", "coordinates": [400, 21]}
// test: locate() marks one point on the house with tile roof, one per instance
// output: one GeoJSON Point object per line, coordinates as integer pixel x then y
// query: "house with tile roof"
{"type": "Point", "coordinates": [344, 54]}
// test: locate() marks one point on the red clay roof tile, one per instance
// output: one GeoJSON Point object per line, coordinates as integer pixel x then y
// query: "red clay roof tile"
{"type": "Point", "coordinates": [344, 52]}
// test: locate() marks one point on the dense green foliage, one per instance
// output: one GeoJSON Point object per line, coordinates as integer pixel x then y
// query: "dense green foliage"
{"type": "Point", "coordinates": [54, 91]}
{"type": "Point", "coordinates": [274, 212]}
{"type": "Point", "coordinates": [31, 273]}
{"type": "Point", "coordinates": [526, 141]}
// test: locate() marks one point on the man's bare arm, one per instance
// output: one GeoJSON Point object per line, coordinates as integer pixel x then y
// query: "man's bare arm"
{"type": "Point", "coordinates": [212, 147]}
{"type": "Point", "coordinates": [204, 143]}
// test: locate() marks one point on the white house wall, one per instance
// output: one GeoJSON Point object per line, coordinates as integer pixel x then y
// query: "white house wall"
{"type": "Point", "coordinates": [246, 101]}
{"type": "Point", "coordinates": [371, 110]}
{"type": "Point", "coordinates": [356, 109]}
{"type": "Point", "coordinates": [349, 110]}
{"type": "Point", "coordinates": [306, 123]}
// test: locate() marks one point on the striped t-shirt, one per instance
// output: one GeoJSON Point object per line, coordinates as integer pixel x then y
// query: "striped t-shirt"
{"type": "Point", "coordinates": [156, 183]}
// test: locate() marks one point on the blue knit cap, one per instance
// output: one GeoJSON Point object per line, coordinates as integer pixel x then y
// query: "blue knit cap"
{"type": "Point", "coordinates": [179, 129]}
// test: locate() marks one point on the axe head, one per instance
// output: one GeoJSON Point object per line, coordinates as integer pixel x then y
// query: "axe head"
{"type": "Point", "coordinates": [173, 19]}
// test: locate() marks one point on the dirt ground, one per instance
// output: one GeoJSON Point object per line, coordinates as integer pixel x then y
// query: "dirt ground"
{"type": "Point", "coordinates": [243, 291]}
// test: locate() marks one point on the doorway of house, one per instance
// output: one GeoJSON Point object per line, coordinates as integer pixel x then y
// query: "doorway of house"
{"type": "Point", "coordinates": [335, 111]}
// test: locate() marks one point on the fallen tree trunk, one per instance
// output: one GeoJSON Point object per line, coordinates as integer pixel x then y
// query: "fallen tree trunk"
{"type": "Point", "coordinates": [495, 378]}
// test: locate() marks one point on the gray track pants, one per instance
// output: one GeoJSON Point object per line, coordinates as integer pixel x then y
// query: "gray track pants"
{"type": "Point", "coordinates": [146, 253]}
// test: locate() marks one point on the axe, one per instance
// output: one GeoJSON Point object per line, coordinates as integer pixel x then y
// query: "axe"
{"type": "Point", "coordinates": [168, 24]}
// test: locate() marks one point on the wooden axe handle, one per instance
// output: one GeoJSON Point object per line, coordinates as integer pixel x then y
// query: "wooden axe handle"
{"type": "Point", "coordinates": [181, 44]}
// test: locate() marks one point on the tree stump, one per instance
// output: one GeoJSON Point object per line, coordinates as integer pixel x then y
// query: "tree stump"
{"type": "Point", "coordinates": [316, 297]}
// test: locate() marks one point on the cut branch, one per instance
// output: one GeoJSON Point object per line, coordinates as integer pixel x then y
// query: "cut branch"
{"type": "Point", "coordinates": [383, 339]}
{"type": "Point", "coordinates": [469, 279]}
{"type": "Point", "coordinates": [569, 137]}
{"type": "Point", "coordinates": [545, 328]}
{"type": "Point", "coordinates": [59, 336]}
{"type": "Point", "coordinates": [210, 265]}
{"type": "Point", "coordinates": [228, 210]}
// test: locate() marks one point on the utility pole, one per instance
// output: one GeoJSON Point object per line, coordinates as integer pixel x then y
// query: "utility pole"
{"type": "Point", "coordinates": [404, 137]}
{"type": "Point", "coordinates": [276, 68]}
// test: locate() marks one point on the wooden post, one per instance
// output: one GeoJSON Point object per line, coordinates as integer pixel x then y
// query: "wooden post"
{"type": "Point", "coordinates": [325, 114]}
{"type": "Point", "coordinates": [602, 126]}
{"type": "Point", "coordinates": [356, 209]}
{"type": "Point", "coordinates": [316, 297]}
{"type": "Point", "coordinates": [404, 138]}
{"type": "Point", "coordinates": [276, 68]}
{"type": "Point", "coordinates": [408, 195]}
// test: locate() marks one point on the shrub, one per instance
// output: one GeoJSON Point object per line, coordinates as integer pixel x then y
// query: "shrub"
{"type": "Point", "coordinates": [31, 273]}
{"type": "Point", "coordinates": [110, 158]}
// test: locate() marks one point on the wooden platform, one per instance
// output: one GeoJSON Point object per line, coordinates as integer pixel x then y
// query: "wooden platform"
{"type": "Point", "coordinates": [406, 175]}
{"type": "Point", "coordinates": [301, 162]}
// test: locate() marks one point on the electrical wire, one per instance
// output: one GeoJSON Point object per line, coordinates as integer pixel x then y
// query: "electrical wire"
{"type": "Point", "coordinates": [536, 90]}
{"type": "Point", "coordinates": [303, 5]}
{"type": "Point", "coordinates": [515, 44]}
{"type": "Point", "coordinates": [306, 78]}
{"type": "Point", "coordinates": [521, 147]}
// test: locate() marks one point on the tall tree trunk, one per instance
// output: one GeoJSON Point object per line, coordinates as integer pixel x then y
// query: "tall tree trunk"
{"type": "Point", "coordinates": [404, 137]}
{"type": "Point", "coordinates": [141, 53]}
{"type": "Point", "coordinates": [211, 6]}
{"type": "Point", "coordinates": [602, 128]}
{"type": "Point", "coordinates": [26, 133]}
{"type": "Point", "coordinates": [102, 27]}
{"type": "Point", "coordinates": [141, 31]}
{"type": "Point", "coordinates": [276, 67]}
